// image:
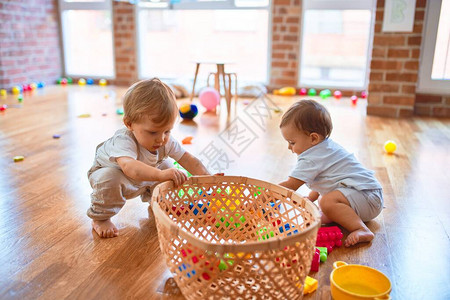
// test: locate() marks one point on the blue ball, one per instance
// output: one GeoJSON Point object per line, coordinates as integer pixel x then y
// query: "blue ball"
{"type": "Point", "coordinates": [188, 111]}
{"type": "Point", "coordinates": [90, 81]}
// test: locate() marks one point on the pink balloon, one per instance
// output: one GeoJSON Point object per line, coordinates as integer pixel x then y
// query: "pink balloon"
{"type": "Point", "coordinates": [209, 98]}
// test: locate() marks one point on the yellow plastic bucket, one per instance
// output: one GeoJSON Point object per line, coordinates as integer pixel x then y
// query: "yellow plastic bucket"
{"type": "Point", "coordinates": [356, 282]}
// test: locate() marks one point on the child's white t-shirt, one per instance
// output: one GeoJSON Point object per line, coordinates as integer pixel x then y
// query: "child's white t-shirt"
{"type": "Point", "coordinates": [123, 143]}
{"type": "Point", "coordinates": [327, 166]}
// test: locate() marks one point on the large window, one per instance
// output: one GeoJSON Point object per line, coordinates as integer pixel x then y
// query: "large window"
{"type": "Point", "coordinates": [87, 38]}
{"type": "Point", "coordinates": [336, 42]}
{"type": "Point", "coordinates": [434, 74]}
{"type": "Point", "coordinates": [174, 35]}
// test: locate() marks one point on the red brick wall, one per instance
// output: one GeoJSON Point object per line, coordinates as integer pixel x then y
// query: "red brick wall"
{"type": "Point", "coordinates": [394, 67]}
{"type": "Point", "coordinates": [125, 43]}
{"type": "Point", "coordinates": [29, 42]}
{"type": "Point", "coordinates": [432, 105]}
{"type": "Point", "coordinates": [286, 15]}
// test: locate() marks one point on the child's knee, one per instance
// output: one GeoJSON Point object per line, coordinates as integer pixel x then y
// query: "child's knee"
{"type": "Point", "coordinates": [326, 204]}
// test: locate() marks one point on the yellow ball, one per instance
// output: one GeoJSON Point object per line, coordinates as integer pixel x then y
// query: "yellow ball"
{"type": "Point", "coordinates": [390, 147]}
{"type": "Point", "coordinates": [16, 90]}
{"type": "Point", "coordinates": [185, 108]}
{"type": "Point", "coordinates": [3, 92]}
{"type": "Point", "coordinates": [82, 81]}
{"type": "Point", "coordinates": [102, 82]}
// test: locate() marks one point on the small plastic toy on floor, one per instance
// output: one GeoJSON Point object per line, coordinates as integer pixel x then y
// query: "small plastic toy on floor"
{"type": "Point", "coordinates": [329, 237]}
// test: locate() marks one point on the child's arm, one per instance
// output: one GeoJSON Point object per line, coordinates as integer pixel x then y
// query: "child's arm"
{"type": "Point", "coordinates": [292, 183]}
{"type": "Point", "coordinates": [193, 164]}
{"type": "Point", "coordinates": [140, 171]}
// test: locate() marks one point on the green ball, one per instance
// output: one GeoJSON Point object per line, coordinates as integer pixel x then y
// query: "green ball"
{"type": "Point", "coordinates": [325, 94]}
{"type": "Point", "coordinates": [312, 92]}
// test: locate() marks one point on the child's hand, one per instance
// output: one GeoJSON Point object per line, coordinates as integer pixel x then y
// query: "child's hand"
{"type": "Point", "coordinates": [177, 176]}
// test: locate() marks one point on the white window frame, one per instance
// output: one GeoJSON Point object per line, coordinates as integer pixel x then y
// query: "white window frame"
{"type": "Point", "coordinates": [206, 5]}
{"type": "Point", "coordinates": [101, 5]}
{"type": "Point", "coordinates": [340, 5]}
{"type": "Point", "coordinates": [225, 4]}
{"type": "Point", "coordinates": [425, 83]}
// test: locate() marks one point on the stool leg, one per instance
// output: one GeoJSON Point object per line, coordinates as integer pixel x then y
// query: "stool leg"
{"type": "Point", "coordinates": [227, 95]}
{"type": "Point", "coordinates": [195, 79]}
{"type": "Point", "coordinates": [235, 88]}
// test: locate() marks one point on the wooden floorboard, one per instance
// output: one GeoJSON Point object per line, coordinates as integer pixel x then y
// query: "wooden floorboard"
{"type": "Point", "coordinates": [47, 248]}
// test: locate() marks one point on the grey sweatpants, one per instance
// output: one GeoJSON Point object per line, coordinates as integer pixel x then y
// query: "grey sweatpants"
{"type": "Point", "coordinates": [111, 188]}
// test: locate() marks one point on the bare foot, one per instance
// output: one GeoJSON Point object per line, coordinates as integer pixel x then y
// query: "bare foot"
{"type": "Point", "coordinates": [358, 236]}
{"type": "Point", "coordinates": [105, 228]}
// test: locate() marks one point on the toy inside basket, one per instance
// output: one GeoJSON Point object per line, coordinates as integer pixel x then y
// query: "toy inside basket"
{"type": "Point", "coordinates": [228, 237]}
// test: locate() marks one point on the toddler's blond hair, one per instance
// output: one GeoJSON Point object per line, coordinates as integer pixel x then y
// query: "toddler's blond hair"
{"type": "Point", "coordinates": [152, 99]}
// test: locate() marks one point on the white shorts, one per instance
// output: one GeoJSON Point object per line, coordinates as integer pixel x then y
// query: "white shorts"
{"type": "Point", "coordinates": [366, 203]}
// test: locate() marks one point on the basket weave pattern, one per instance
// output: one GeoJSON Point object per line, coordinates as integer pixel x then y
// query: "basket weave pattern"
{"type": "Point", "coordinates": [227, 237]}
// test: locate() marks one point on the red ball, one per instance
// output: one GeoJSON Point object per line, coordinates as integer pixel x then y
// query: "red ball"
{"type": "Point", "coordinates": [337, 94]}
{"type": "Point", "coordinates": [64, 81]}
{"type": "Point", "coordinates": [364, 94]}
{"type": "Point", "coordinates": [303, 91]}
{"type": "Point", "coordinates": [354, 99]}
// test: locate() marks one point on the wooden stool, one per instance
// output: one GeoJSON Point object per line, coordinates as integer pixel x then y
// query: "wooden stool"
{"type": "Point", "coordinates": [217, 78]}
{"type": "Point", "coordinates": [227, 87]}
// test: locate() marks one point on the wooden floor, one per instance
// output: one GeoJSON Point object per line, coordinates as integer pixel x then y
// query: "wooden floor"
{"type": "Point", "coordinates": [48, 250]}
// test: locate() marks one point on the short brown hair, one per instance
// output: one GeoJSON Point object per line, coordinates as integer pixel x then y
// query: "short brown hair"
{"type": "Point", "coordinates": [150, 98]}
{"type": "Point", "coordinates": [309, 116]}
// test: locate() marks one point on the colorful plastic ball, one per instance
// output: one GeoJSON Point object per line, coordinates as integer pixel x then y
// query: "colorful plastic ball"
{"type": "Point", "coordinates": [20, 98]}
{"type": "Point", "coordinates": [81, 81]}
{"type": "Point", "coordinates": [364, 94]}
{"type": "Point", "coordinates": [337, 94]}
{"type": "Point", "coordinates": [26, 87]}
{"type": "Point", "coordinates": [3, 107]}
{"type": "Point", "coordinates": [324, 94]}
{"type": "Point", "coordinates": [33, 86]}
{"type": "Point", "coordinates": [69, 80]}
{"type": "Point", "coordinates": [63, 81]}
{"type": "Point", "coordinates": [120, 111]}
{"type": "Point", "coordinates": [90, 81]}
{"type": "Point", "coordinates": [209, 98]}
{"type": "Point", "coordinates": [303, 92]}
{"type": "Point", "coordinates": [16, 90]}
{"type": "Point", "coordinates": [3, 92]}
{"type": "Point", "coordinates": [40, 84]}
{"type": "Point", "coordinates": [354, 99]}
{"type": "Point", "coordinates": [188, 111]}
{"type": "Point", "coordinates": [103, 82]}
{"type": "Point", "coordinates": [312, 92]}
{"type": "Point", "coordinates": [390, 147]}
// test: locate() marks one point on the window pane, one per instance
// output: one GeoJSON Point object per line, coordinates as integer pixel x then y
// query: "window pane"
{"type": "Point", "coordinates": [251, 3]}
{"type": "Point", "coordinates": [88, 47]}
{"type": "Point", "coordinates": [334, 48]}
{"type": "Point", "coordinates": [84, 0]}
{"type": "Point", "coordinates": [172, 40]}
{"type": "Point", "coordinates": [441, 62]}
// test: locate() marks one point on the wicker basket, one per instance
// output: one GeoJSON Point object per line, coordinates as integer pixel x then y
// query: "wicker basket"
{"type": "Point", "coordinates": [228, 237]}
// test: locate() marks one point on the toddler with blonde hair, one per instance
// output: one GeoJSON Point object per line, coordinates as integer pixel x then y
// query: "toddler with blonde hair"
{"type": "Point", "coordinates": [134, 160]}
